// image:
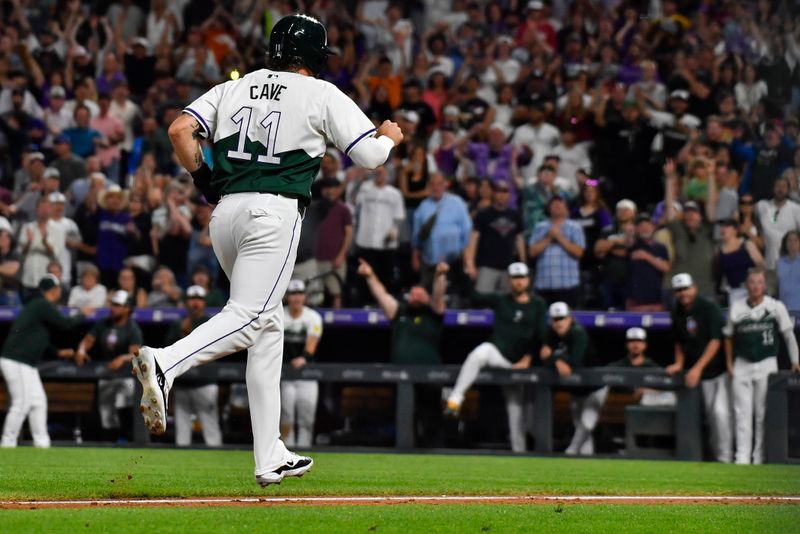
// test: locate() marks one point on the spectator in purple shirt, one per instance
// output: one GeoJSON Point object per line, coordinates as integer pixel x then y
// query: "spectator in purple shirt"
{"type": "Point", "coordinates": [495, 159]}
{"type": "Point", "coordinates": [112, 233]}
{"type": "Point", "coordinates": [333, 239]}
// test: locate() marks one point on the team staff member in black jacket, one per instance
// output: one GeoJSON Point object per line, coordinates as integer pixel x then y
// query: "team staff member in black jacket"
{"type": "Point", "coordinates": [697, 324]}
{"type": "Point", "coordinates": [519, 325]}
{"type": "Point", "coordinates": [27, 342]}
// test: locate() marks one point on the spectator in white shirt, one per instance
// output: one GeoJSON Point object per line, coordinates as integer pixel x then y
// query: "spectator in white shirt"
{"type": "Point", "coordinates": [72, 235]}
{"type": "Point", "coordinates": [539, 137]}
{"type": "Point", "coordinates": [572, 158]}
{"type": "Point", "coordinates": [56, 116]}
{"type": "Point", "coordinates": [90, 293]}
{"type": "Point", "coordinates": [40, 242]}
{"type": "Point", "coordinates": [777, 217]}
{"type": "Point", "coordinates": [379, 212]}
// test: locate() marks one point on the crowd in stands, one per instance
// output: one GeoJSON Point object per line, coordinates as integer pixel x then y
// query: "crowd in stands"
{"type": "Point", "coordinates": [608, 145]}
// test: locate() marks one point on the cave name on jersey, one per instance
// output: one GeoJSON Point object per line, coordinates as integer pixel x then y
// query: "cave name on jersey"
{"type": "Point", "coordinates": [269, 91]}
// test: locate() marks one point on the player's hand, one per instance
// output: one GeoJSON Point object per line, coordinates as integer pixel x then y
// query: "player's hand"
{"type": "Point", "coordinates": [640, 254]}
{"type": "Point", "coordinates": [673, 369]}
{"type": "Point", "coordinates": [298, 363]}
{"type": "Point", "coordinates": [523, 363]}
{"type": "Point", "coordinates": [796, 368]}
{"type": "Point", "coordinates": [692, 377]}
{"type": "Point", "coordinates": [338, 261]}
{"type": "Point", "coordinates": [364, 268]}
{"type": "Point", "coordinates": [545, 353]}
{"type": "Point", "coordinates": [442, 269]}
{"type": "Point", "coordinates": [391, 130]}
{"type": "Point", "coordinates": [117, 362]}
{"type": "Point", "coordinates": [87, 310]}
{"type": "Point", "coordinates": [563, 368]}
{"type": "Point", "coordinates": [66, 353]}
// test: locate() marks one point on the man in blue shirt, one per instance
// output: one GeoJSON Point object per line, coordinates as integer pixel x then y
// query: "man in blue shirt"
{"type": "Point", "coordinates": [440, 232]}
{"type": "Point", "coordinates": [557, 244]}
{"type": "Point", "coordinates": [82, 138]}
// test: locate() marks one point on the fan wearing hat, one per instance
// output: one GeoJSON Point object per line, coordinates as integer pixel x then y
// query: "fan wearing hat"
{"type": "Point", "coordinates": [636, 347]}
{"type": "Point", "coordinates": [692, 236]}
{"type": "Point", "coordinates": [28, 341]}
{"type": "Point", "coordinates": [200, 397]}
{"type": "Point", "coordinates": [302, 331]}
{"type": "Point", "coordinates": [538, 138]}
{"type": "Point", "coordinates": [649, 262]}
{"type": "Point", "coordinates": [519, 326]}
{"type": "Point", "coordinates": [697, 326]}
{"type": "Point", "coordinates": [495, 242]}
{"type": "Point", "coordinates": [40, 241]}
{"type": "Point", "coordinates": [112, 341]}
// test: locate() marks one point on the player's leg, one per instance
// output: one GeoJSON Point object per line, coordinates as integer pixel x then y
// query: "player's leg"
{"type": "Point", "coordinates": [260, 233]}
{"type": "Point", "coordinates": [37, 416]}
{"type": "Point", "coordinates": [484, 355]}
{"type": "Point", "coordinates": [182, 410]}
{"type": "Point", "coordinates": [105, 405]}
{"type": "Point", "coordinates": [16, 379]}
{"type": "Point", "coordinates": [288, 411]}
{"type": "Point", "coordinates": [207, 406]}
{"type": "Point", "coordinates": [585, 420]}
{"type": "Point", "coordinates": [743, 409]}
{"type": "Point", "coordinates": [717, 397]}
{"type": "Point", "coordinates": [307, 395]}
{"type": "Point", "coordinates": [764, 369]}
{"type": "Point", "coordinates": [516, 416]}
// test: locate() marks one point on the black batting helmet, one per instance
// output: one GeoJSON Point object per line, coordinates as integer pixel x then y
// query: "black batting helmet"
{"type": "Point", "coordinates": [299, 41]}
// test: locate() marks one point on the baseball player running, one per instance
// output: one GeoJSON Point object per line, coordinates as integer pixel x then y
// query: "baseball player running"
{"type": "Point", "coordinates": [269, 131]}
{"type": "Point", "coordinates": [302, 332]}
{"type": "Point", "coordinates": [751, 349]}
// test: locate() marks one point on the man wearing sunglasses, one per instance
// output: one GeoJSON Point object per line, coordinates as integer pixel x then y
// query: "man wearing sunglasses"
{"type": "Point", "coordinates": [697, 325]}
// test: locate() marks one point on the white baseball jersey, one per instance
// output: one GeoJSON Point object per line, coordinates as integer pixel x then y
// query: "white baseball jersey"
{"type": "Point", "coordinates": [755, 329]}
{"type": "Point", "coordinates": [270, 130]}
{"type": "Point", "coordinates": [296, 330]}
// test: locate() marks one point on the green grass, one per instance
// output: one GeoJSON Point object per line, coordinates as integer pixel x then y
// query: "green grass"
{"type": "Point", "coordinates": [413, 518]}
{"type": "Point", "coordinates": [84, 473]}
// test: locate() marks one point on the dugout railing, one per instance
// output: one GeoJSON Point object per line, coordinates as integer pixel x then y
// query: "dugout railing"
{"type": "Point", "coordinates": [542, 382]}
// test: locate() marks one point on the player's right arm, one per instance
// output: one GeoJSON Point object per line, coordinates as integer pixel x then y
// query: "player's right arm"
{"type": "Point", "coordinates": [676, 367]}
{"type": "Point", "coordinates": [346, 125]}
{"type": "Point", "coordinates": [184, 132]}
{"type": "Point", "coordinates": [86, 344]}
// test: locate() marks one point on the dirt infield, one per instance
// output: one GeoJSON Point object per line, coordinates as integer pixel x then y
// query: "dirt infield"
{"type": "Point", "coordinates": [401, 500]}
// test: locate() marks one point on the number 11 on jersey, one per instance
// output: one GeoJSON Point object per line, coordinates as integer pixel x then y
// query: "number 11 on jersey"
{"type": "Point", "coordinates": [267, 134]}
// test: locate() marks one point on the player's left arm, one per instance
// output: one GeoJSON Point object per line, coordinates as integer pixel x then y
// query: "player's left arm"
{"type": "Point", "coordinates": [312, 342]}
{"type": "Point", "coordinates": [438, 304]}
{"type": "Point", "coordinates": [712, 348]}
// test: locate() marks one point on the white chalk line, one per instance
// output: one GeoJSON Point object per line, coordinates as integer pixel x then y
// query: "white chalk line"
{"type": "Point", "coordinates": [408, 499]}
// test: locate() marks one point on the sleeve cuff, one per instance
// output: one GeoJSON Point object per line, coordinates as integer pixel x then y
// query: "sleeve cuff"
{"type": "Point", "coordinates": [193, 113]}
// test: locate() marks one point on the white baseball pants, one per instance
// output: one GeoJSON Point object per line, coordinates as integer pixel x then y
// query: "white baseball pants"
{"type": "Point", "coordinates": [112, 396]}
{"type": "Point", "coordinates": [585, 415]}
{"type": "Point", "coordinates": [749, 403]}
{"type": "Point", "coordinates": [487, 355]}
{"type": "Point", "coordinates": [27, 400]}
{"type": "Point", "coordinates": [202, 401]}
{"type": "Point", "coordinates": [298, 409]}
{"type": "Point", "coordinates": [717, 404]}
{"type": "Point", "coordinates": [255, 239]}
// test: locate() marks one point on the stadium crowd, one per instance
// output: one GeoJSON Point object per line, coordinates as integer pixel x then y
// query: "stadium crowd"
{"type": "Point", "coordinates": [605, 146]}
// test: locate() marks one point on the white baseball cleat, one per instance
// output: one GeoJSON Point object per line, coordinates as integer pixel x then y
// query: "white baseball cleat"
{"type": "Point", "coordinates": [154, 390]}
{"type": "Point", "coordinates": [296, 466]}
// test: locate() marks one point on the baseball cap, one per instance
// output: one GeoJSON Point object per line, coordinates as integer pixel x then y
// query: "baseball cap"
{"type": "Point", "coordinates": [500, 185]}
{"type": "Point", "coordinates": [636, 334]}
{"type": "Point", "coordinates": [5, 225]}
{"type": "Point", "coordinates": [626, 204]}
{"type": "Point", "coordinates": [691, 205]}
{"type": "Point", "coordinates": [195, 292]}
{"type": "Point", "coordinates": [535, 5]}
{"type": "Point", "coordinates": [57, 92]}
{"type": "Point", "coordinates": [644, 216]}
{"type": "Point", "coordinates": [63, 138]}
{"type": "Point", "coordinates": [558, 310]}
{"type": "Point", "coordinates": [450, 109]}
{"type": "Point", "coordinates": [518, 269]}
{"type": "Point", "coordinates": [57, 197]}
{"type": "Point", "coordinates": [411, 116]}
{"type": "Point", "coordinates": [51, 172]}
{"type": "Point", "coordinates": [681, 94]}
{"type": "Point", "coordinates": [121, 298]}
{"type": "Point", "coordinates": [48, 282]}
{"type": "Point", "coordinates": [682, 281]}
{"type": "Point", "coordinates": [727, 222]}
{"type": "Point", "coordinates": [36, 156]}
{"type": "Point", "coordinates": [141, 41]}
{"type": "Point", "coordinates": [296, 286]}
